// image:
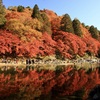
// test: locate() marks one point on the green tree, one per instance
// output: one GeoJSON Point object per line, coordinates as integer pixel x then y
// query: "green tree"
{"type": "Point", "coordinates": [46, 24]}
{"type": "Point", "coordinates": [94, 32]}
{"type": "Point", "coordinates": [83, 24]}
{"type": "Point", "coordinates": [66, 24]}
{"type": "Point", "coordinates": [77, 28]}
{"type": "Point", "coordinates": [36, 13]}
{"type": "Point", "coordinates": [20, 8]}
{"type": "Point", "coordinates": [87, 27]}
{"type": "Point", "coordinates": [2, 15]}
{"type": "Point", "coordinates": [28, 7]}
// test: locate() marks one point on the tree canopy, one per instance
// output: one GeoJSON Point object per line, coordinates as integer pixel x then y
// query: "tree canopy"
{"type": "Point", "coordinates": [77, 28]}
{"type": "Point", "coordinates": [20, 8]}
{"type": "Point", "coordinates": [36, 13]}
{"type": "Point", "coordinates": [94, 32]}
{"type": "Point", "coordinates": [2, 14]}
{"type": "Point", "coordinates": [46, 24]}
{"type": "Point", "coordinates": [66, 24]}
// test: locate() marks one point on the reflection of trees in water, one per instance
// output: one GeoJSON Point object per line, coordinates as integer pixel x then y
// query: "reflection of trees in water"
{"type": "Point", "coordinates": [65, 82]}
{"type": "Point", "coordinates": [94, 93]}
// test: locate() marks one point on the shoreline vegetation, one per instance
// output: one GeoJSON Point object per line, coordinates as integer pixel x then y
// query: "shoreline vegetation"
{"type": "Point", "coordinates": [50, 63]}
{"type": "Point", "coordinates": [34, 32]}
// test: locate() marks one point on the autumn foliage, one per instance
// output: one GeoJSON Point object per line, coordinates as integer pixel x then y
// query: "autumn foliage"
{"type": "Point", "coordinates": [33, 84]}
{"type": "Point", "coordinates": [8, 42]}
{"type": "Point", "coordinates": [27, 36]}
{"type": "Point", "coordinates": [68, 44]}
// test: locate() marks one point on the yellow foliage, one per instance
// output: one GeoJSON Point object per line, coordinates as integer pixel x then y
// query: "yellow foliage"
{"type": "Point", "coordinates": [28, 11]}
{"type": "Point", "coordinates": [25, 27]}
{"type": "Point", "coordinates": [12, 8]}
{"type": "Point", "coordinates": [35, 33]}
{"type": "Point", "coordinates": [26, 39]}
{"type": "Point", "coordinates": [16, 27]}
{"type": "Point", "coordinates": [31, 35]}
{"type": "Point", "coordinates": [33, 23]}
{"type": "Point", "coordinates": [23, 38]}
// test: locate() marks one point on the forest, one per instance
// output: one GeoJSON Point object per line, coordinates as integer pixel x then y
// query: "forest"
{"type": "Point", "coordinates": [31, 32]}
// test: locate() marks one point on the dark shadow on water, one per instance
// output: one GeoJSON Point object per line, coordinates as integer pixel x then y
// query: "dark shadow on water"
{"type": "Point", "coordinates": [94, 93]}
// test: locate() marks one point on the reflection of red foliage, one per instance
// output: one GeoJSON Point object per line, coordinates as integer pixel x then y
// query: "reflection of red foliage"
{"type": "Point", "coordinates": [41, 83]}
{"type": "Point", "coordinates": [48, 78]}
{"type": "Point", "coordinates": [78, 80]}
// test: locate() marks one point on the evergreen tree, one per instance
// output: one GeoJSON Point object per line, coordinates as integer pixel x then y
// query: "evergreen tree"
{"type": "Point", "coordinates": [2, 15]}
{"type": "Point", "coordinates": [83, 24]}
{"type": "Point", "coordinates": [66, 24]}
{"type": "Point", "coordinates": [36, 13]}
{"type": "Point", "coordinates": [20, 8]}
{"type": "Point", "coordinates": [77, 28]}
{"type": "Point", "coordinates": [28, 7]}
{"type": "Point", "coordinates": [46, 24]}
{"type": "Point", "coordinates": [94, 32]}
{"type": "Point", "coordinates": [87, 27]}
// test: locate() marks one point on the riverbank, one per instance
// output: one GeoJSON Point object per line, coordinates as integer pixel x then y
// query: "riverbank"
{"type": "Point", "coordinates": [50, 64]}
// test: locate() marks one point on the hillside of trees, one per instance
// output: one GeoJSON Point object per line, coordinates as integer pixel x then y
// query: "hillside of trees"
{"type": "Point", "coordinates": [31, 32]}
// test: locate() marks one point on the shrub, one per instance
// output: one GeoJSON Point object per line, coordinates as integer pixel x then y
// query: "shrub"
{"type": "Point", "coordinates": [28, 7]}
